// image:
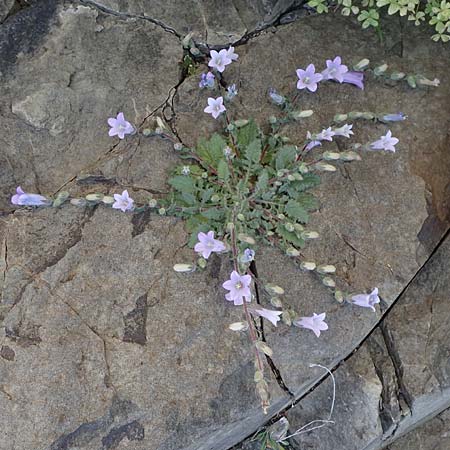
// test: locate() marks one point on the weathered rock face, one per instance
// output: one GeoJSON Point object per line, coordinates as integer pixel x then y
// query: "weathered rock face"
{"type": "Point", "coordinates": [5, 8]}
{"type": "Point", "coordinates": [102, 345]}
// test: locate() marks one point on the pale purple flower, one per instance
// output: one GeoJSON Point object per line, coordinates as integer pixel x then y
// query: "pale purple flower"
{"type": "Point", "coordinates": [119, 126]}
{"type": "Point", "coordinates": [22, 198]}
{"type": "Point", "coordinates": [355, 78]}
{"type": "Point", "coordinates": [316, 323]}
{"type": "Point", "coordinates": [394, 117]}
{"type": "Point", "coordinates": [219, 60]}
{"type": "Point", "coordinates": [270, 315]}
{"type": "Point", "coordinates": [239, 287]}
{"type": "Point", "coordinates": [308, 78]}
{"type": "Point", "coordinates": [207, 80]}
{"type": "Point", "coordinates": [345, 130]}
{"type": "Point", "coordinates": [207, 244]}
{"type": "Point", "coordinates": [186, 170]}
{"type": "Point", "coordinates": [231, 54]}
{"type": "Point", "coordinates": [248, 256]}
{"type": "Point", "coordinates": [367, 300]}
{"type": "Point", "coordinates": [326, 135]}
{"type": "Point", "coordinates": [231, 92]}
{"type": "Point", "coordinates": [335, 70]}
{"type": "Point", "coordinates": [215, 107]}
{"type": "Point", "coordinates": [385, 143]}
{"type": "Point", "coordinates": [313, 141]}
{"type": "Point", "coordinates": [123, 201]}
{"type": "Point", "coordinates": [276, 98]}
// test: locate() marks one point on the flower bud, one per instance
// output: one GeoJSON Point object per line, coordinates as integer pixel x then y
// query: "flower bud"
{"type": "Point", "coordinates": [297, 177]}
{"type": "Point", "coordinates": [162, 211]}
{"type": "Point", "coordinates": [241, 123]}
{"type": "Point", "coordinates": [146, 132]}
{"type": "Point", "coordinates": [310, 235]}
{"type": "Point", "coordinates": [329, 282]}
{"type": "Point", "coordinates": [276, 302]}
{"type": "Point", "coordinates": [178, 146]}
{"type": "Point", "coordinates": [350, 156]}
{"type": "Point", "coordinates": [298, 227]}
{"type": "Point", "coordinates": [60, 199]}
{"type": "Point", "coordinates": [159, 130]}
{"type": "Point", "coordinates": [247, 239]}
{"type": "Point", "coordinates": [303, 168]}
{"type": "Point", "coordinates": [94, 197]}
{"type": "Point", "coordinates": [238, 326]}
{"type": "Point", "coordinates": [240, 217]}
{"type": "Point", "coordinates": [331, 156]}
{"type": "Point", "coordinates": [215, 198]}
{"type": "Point", "coordinates": [324, 167]}
{"type": "Point", "coordinates": [152, 203]}
{"type": "Point", "coordinates": [277, 183]}
{"type": "Point", "coordinates": [263, 347]}
{"type": "Point", "coordinates": [230, 226]}
{"type": "Point", "coordinates": [326, 268]}
{"type": "Point", "coordinates": [201, 262]}
{"type": "Point", "coordinates": [340, 117]}
{"type": "Point", "coordinates": [397, 76]}
{"type": "Point", "coordinates": [291, 251]}
{"type": "Point", "coordinates": [274, 289]}
{"type": "Point", "coordinates": [269, 233]}
{"type": "Point", "coordinates": [78, 201]}
{"type": "Point", "coordinates": [339, 296]}
{"type": "Point", "coordinates": [380, 69]}
{"type": "Point", "coordinates": [291, 177]}
{"type": "Point", "coordinates": [160, 123]}
{"type": "Point", "coordinates": [231, 127]}
{"type": "Point", "coordinates": [281, 216]}
{"type": "Point", "coordinates": [426, 82]}
{"type": "Point", "coordinates": [108, 200]}
{"type": "Point", "coordinates": [363, 64]}
{"type": "Point", "coordinates": [308, 265]}
{"type": "Point", "coordinates": [273, 119]}
{"type": "Point", "coordinates": [302, 114]}
{"type": "Point", "coordinates": [258, 376]}
{"type": "Point", "coordinates": [286, 318]}
{"type": "Point", "coordinates": [411, 79]}
{"type": "Point", "coordinates": [289, 227]}
{"type": "Point", "coordinates": [184, 268]}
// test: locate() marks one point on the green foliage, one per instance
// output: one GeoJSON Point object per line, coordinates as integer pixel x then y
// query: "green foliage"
{"type": "Point", "coordinates": [244, 175]}
{"type": "Point", "coordinates": [435, 12]}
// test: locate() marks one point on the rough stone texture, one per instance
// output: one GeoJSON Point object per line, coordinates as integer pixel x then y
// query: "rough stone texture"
{"type": "Point", "coordinates": [57, 112]}
{"type": "Point", "coordinates": [214, 22]}
{"type": "Point", "coordinates": [434, 435]}
{"type": "Point", "coordinates": [102, 345]}
{"type": "Point", "coordinates": [5, 8]}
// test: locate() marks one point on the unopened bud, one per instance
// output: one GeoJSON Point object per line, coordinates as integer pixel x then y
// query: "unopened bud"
{"type": "Point", "coordinates": [238, 326]}
{"type": "Point", "coordinates": [274, 289]}
{"type": "Point", "coordinates": [302, 114]}
{"type": "Point", "coordinates": [380, 69]}
{"type": "Point", "coordinates": [215, 198]}
{"type": "Point", "coordinates": [310, 235]}
{"type": "Point", "coordinates": [397, 76]}
{"type": "Point", "coordinates": [184, 268]}
{"type": "Point", "coordinates": [297, 177]}
{"type": "Point", "coordinates": [308, 265]}
{"type": "Point", "coordinates": [178, 146]}
{"type": "Point", "coordinates": [329, 282]}
{"type": "Point", "coordinates": [363, 64]}
{"type": "Point", "coordinates": [281, 216]}
{"type": "Point", "coordinates": [247, 239]}
{"type": "Point", "coordinates": [289, 227]}
{"type": "Point", "coordinates": [107, 200]}
{"type": "Point", "coordinates": [411, 79]}
{"type": "Point", "coordinates": [152, 203]}
{"type": "Point", "coordinates": [350, 156]}
{"type": "Point", "coordinates": [291, 177]}
{"type": "Point", "coordinates": [286, 317]}
{"type": "Point", "coordinates": [326, 268]}
{"type": "Point", "coordinates": [78, 201]}
{"type": "Point", "coordinates": [162, 211]}
{"type": "Point", "coordinates": [94, 197]}
{"type": "Point", "coordinates": [331, 156]}
{"type": "Point", "coordinates": [201, 262]}
{"type": "Point", "coordinates": [339, 296]}
{"type": "Point", "coordinates": [303, 168]}
{"type": "Point", "coordinates": [146, 132]}
{"type": "Point", "coordinates": [291, 251]}
{"type": "Point", "coordinates": [324, 167]}
{"type": "Point", "coordinates": [263, 347]}
{"type": "Point", "coordinates": [273, 119]}
{"type": "Point", "coordinates": [160, 123]}
{"type": "Point", "coordinates": [240, 217]}
{"type": "Point", "coordinates": [276, 302]}
{"type": "Point", "coordinates": [340, 117]}
{"type": "Point", "coordinates": [241, 123]}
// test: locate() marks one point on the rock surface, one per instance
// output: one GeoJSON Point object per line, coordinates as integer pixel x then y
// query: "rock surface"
{"type": "Point", "coordinates": [102, 345]}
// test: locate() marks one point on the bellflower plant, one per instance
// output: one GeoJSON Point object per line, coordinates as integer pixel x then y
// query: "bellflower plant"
{"type": "Point", "coordinates": [250, 185]}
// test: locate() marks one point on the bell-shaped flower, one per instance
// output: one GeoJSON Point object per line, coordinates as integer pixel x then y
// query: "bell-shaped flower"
{"type": "Point", "coordinates": [239, 287]}
{"type": "Point", "coordinates": [22, 198]}
{"type": "Point", "coordinates": [308, 79]}
{"type": "Point", "coordinates": [316, 323]}
{"type": "Point", "coordinates": [207, 244]}
{"type": "Point", "coordinates": [367, 300]}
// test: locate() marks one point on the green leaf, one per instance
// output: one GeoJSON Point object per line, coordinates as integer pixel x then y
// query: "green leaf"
{"type": "Point", "coordinates": [308, 201]}
{"type": "Point", "coordinates": [247, 134]}
{"type": "Point", "coordinates": [290, 236]}
{"type": "Point", "coordinates": [188, 198]}
{"type": "Point", "coordinates": [285, 157]}
{"type": "Point", "coordinates": [253, 151]}
{"type": "Point", "coordinates": [263, 181]}
{"type": "Point", "coordinates": [207, 194]}
{"type": "Point", "coordinates": [213, 213]}
{"type": "Point", "coordinates": [296, 211]}
{"type": "Point", "coordinates": [211, 151]}
{"type": "Point", "coordinates": [223, 171]}
{"type": "Point", "coordinates": [182, 183]}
